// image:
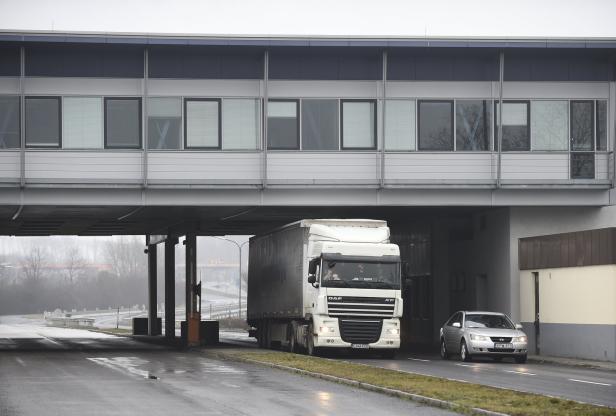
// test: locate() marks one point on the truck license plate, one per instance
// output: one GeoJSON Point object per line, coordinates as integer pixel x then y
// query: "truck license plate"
{"type": "Point", "coordinates": [360, 346]}
{"type": "Point", "coordinates": [504, 346]}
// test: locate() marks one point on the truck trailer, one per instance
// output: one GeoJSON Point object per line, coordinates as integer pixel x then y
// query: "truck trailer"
{"type": "Point", "coordinates": [325, 283]}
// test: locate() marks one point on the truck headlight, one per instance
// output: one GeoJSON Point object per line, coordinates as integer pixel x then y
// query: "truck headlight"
{"type": "Point", "coordinates": [475, 337]}
{"type": "Point", "coordinates": [520, 339]}
{"type": "Point", "coordinates": [326, 329]}
{"type": "Point", "coordinates": [393, 331]}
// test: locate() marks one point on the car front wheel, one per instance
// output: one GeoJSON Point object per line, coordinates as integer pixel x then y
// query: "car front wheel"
{"type": "Point", "coordinates": [464, 355]}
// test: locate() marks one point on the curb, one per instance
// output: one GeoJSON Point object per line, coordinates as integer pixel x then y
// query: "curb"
{"type": "Point", "coordinates": [443, 404]}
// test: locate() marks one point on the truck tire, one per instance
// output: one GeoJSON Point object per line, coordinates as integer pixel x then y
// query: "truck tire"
{"type": "Point", "coordinates": [292, 338]}
{"type": "Point", "coordinates": [310, 348]}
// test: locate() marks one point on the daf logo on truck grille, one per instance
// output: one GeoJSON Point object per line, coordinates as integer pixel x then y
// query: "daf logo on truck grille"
{"type": "Point", "coordinates": [390, 300]}
{"type": "Point", "coordinates": [334, 298]}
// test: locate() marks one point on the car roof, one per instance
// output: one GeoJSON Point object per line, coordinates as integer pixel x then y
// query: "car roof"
{"type": "Point", "coordinates": [483, 312]}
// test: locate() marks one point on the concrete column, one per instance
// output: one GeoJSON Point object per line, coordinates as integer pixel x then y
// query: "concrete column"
{"type": "Point", "coordinates": [193, 317]}
{"type": "Point", "coordinates": [170, 287]}
{"type": "Point", "coordinates": [152, 292]}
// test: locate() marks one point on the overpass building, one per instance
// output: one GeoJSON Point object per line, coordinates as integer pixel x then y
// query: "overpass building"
{"type": "Point", "coordinates": [468, 147]}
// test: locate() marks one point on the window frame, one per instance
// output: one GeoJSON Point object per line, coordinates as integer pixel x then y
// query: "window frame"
{"type": "Point", "coordinates": [593, 140]}
{"type": "Point", "coordinates": [606, 126]}
{"type": "Point", "coordinates": [181, 117]}
{"type": "Point", "coordinates": [124, 98]}
{"type": "Point", "coordinates": [453, 124]}
{"type": "Point", "coordinates": [58, 98]}
{"type": "Point", "coordinates": [341, 122]}
{"type": "Point", "coordinates": [185, 123]}
{"type": "Point", "coordinates": [298, 117]}
{"type": "Point", "coordinates": [19, 116]}
{"type": "Point", "coordinates": [491, 132]}
{"type": "Point", "coordinates": [338, 124]}
{"type": "Point", "coordinates": [496, 124]}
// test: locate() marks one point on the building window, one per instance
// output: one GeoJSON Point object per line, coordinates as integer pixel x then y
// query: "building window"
{"type": "Point", "coordinates": [164, 123]}
{"type": "Point", "coordinates": [282, 125]}
{"type": "Point", "coordinates": [602, 125]}
{"type": "Point", "coordinates": [358, 124]}
{"type": "Point", "coordinates": [9, 123]}
{"type": "Point", "coordinates": [82, 123]}
{"type": "Point", "coordinates": [582, 125]}
{"type": "Point", "coordinates": [436, 125]}
{"type": "Point", "coordinates": [399, 125]}
{"type": "Point", "coordinates": [516, 129]}
{"type": "Point", "coordinates": [43, 122]}
{"type": "Point", "coordinates": [122, 122]}
{"type": "Point", "coordinates": [202, 123]}
{"type": "Point", "coordinates": [473, 125]}
{"type": "Point", "coordinates": [582, 165]}
{"type": "Point", "coordinates": [549, 125]}
{"type": "Point", "coordinates": [241, 124]}
{"type": "Point", "coordinates": [320, 125]}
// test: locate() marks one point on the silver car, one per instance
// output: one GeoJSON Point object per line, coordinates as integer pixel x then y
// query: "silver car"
{"type": "Point", "coordinates": [483, 334]}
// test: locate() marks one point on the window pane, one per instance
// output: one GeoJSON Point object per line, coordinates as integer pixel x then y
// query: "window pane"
{"type": "Point", "coordinates": [241, 124]}
{"type": "Point", "coordinates": [473, 125]}
{"type": "Point", "coordinates": [435, 125]}
{"type": "Point", "coordinates": [601, 125]}
{"type": "Point", "coordinates": [582, 165]}
{"type": "Point", "coordinates": [164, 123]}
{"type": "Point", "coordinates": [202, 129]}
{"type": "Point", "coordinates": [400, 125]}
{"type": "Point", "coordinates": [358, 125]}
{"type": "Point", "coordinates": [82, 126]}
{"type": "Point", "coordinates": [320, 125]}
{"type": "Point", "coordinates": [282, 125]}
{"type": "Point", "coordinates": [549, 125]}
{"type": "Point", "coordinates": [123, 122]}
{"type": "Point", "coordinates": [515, 126]}
{"type": "Point", "coordinates": [43, 121]}
{"type": "Point", "coordinates": [9, 123]}
{"type": "Point", "coordinates": [582, 123]}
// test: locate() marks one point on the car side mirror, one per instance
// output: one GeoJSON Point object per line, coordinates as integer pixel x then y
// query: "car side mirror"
{"type": "Point", "coordinates": [519, 326]}
{"type": "Point", "coordinates": [456, 325]}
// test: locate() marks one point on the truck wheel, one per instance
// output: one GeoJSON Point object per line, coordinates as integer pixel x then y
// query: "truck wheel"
{"type": "Point", "coordinates": [292, 340]}
{"type": "Point", "coordinates": [310, 348]}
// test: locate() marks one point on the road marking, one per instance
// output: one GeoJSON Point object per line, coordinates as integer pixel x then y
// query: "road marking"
{"type": "Point", "coordinates": [419, 359]}
{"type": "Point", "coordinates": [520, 372]}
{"type": "Point", "coordinates": [20, 361]}
{"type": "Point", "coordinates": [468, 365]}
{"type": "Point", "coordinates": [235, 386]}
{"type": "Point", "coordinates": [589, 382]}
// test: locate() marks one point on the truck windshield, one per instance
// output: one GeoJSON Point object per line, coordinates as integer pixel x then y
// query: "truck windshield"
{"type": "Point", "coordinates": [371, 275]}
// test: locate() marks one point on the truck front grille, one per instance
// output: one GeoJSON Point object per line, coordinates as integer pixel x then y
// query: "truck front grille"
{"type": "Point", "coordinates": [360, 331]}
{"type": "Point", "coordinates": [360, 306]}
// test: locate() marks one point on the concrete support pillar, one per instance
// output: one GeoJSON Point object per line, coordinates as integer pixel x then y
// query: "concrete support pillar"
{"type": "Point", "coordinates": [170, 287]}
{"type": "Point", "coordinates": [152, 292]}
{"type": "Point", "coordinates": [193, 317]}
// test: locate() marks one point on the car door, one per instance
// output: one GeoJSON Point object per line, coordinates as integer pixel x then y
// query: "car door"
{"type": "Point", "coordinates": [452, 333]}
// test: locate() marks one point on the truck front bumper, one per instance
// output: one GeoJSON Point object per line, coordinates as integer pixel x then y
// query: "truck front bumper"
{"type": "Point", "coordinates": [327, 334]}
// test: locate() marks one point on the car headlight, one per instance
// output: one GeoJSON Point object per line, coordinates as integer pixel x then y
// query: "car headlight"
{"type": "Point", "coordinates": [393, 331]}
{"type": "Point", "coordinates": [475, 337]}
{"type": "Point", "coordinates": [326, 329]}
{"type": "Point", "coordinates": [520, 339]}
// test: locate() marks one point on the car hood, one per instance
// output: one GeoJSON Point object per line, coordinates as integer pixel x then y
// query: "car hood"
{"type": "Point", "coordinates": [496, 332]}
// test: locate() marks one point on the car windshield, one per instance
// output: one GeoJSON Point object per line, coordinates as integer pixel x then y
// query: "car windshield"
{"type": "Point", "coordinates": [488, 321]}
{"type": "Point", "coordinates": [372, 275]}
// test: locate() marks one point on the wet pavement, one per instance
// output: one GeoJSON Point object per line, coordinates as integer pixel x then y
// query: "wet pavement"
{"type": "Point", "coordinates": [123, 376]}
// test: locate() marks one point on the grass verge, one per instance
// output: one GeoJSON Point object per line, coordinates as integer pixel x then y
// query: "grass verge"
{"type": "Point", "coordinates": [464, 397]}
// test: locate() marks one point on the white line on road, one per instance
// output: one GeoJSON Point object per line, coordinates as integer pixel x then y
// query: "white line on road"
{"type": "Point", "coordinates": [468, 365]}
{"type": "Point", "coordinates": [520, 372]}
{"type": "Point", "coordinates": [589, 382]}
{"type": "Point", "coordinates": [20, 361]}
{"type": "Point", "coordinates": [419, 359]}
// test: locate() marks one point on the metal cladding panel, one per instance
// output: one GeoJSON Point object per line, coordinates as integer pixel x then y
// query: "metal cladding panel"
{"type": "Point", "coordinates": [276, 274]}
{"type": "Point", "coordinates": [9, 61]}
{"type": "Point", "coordinates": [9, 166]}
{"type": "Point", "coordinates": [330, 63]}
{"type": "Point", "coordinates": [84, 60]}
{"type": "Point", "coordinates": [442, 65]}
{"type": "Point", "coordinates": [205, 62]}
{"type": "Point", "coordinates": [558, 65]}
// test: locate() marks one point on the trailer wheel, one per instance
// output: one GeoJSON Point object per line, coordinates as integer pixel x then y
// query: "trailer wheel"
{"type": "Point", "coordinates": [291, 337]}
{"type": "Point", "coordinates": [310, 348]}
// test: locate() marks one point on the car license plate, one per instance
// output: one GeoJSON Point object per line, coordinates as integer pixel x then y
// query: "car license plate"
{"type": "Point", "coordinates": [503, 346]}
{"type": "Point", "coordinates": [360, 346]}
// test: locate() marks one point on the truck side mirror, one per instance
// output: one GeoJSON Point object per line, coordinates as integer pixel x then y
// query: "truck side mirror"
{"type": "Point", "coordinates": [312, 279]}
{"type": "Point", "coordinates": [312, 266]}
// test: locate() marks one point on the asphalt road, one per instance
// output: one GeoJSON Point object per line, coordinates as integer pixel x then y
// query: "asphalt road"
{"type": "Point", "coordinates": [78, 375]}
{"type": "Point", "coordinates": [575, 383]}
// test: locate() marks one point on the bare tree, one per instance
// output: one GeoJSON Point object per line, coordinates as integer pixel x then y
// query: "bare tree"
{"type": "Point", "coordinates": [33, 264]}
{"type": "Point", "coordinates": [74, 263]}
{"type": "Point", "coordinates": [125, 255]}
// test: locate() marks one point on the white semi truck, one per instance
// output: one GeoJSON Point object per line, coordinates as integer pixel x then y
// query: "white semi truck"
{"type": "Point", "coordinates": [325, 283]}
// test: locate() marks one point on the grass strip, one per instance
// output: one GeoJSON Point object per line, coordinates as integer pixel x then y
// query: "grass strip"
{"type": "Point", "coordinates": [464, 396]}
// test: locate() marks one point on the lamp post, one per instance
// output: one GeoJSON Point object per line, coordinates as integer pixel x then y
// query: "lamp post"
{"type": "Point", "coordinates": [239, 296]}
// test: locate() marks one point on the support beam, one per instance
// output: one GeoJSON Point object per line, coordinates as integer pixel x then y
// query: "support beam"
{"type": "Point", "coordinates": [152, 292]}
{"type": "Point", "coordinates": [193, 316]}
{"type": "Point", "coordinates": [170, 287]}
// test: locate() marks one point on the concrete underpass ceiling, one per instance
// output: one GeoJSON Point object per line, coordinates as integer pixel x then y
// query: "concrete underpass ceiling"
{"type": "Point", "coordinates": [221, 220]}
